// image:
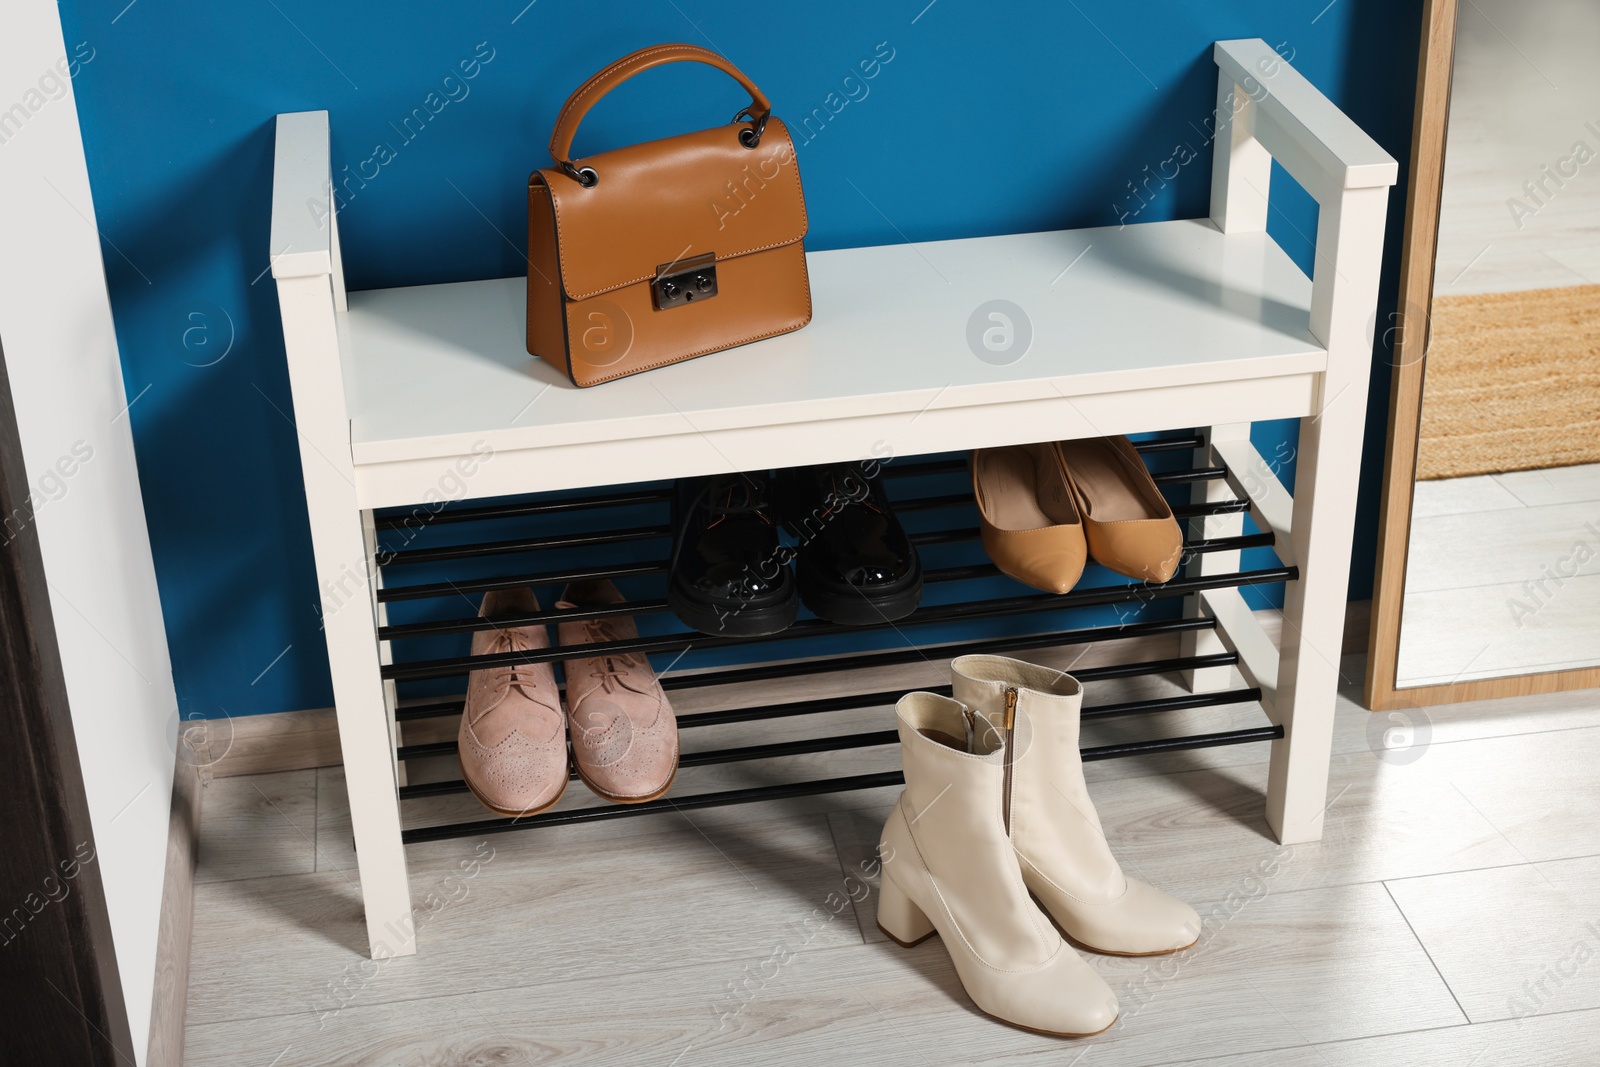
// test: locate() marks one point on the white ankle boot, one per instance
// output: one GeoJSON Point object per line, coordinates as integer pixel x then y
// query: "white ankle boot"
{"type": "Point", "coordinates": [1065, 861]}
{"type": "Point", "coordinates": [949, 869]}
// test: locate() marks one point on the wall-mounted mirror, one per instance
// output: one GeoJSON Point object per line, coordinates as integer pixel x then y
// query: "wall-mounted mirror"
{"type": "Point", "coordinates": [1489, 561]}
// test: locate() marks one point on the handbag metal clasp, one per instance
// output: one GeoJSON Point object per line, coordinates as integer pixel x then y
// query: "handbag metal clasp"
{"type": "Point", "coordinates": [685, 281]}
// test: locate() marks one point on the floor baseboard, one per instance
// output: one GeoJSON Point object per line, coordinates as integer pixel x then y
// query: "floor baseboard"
{"type": "Point", "coordinates": [170, 1000]}
{"type": "Point", "coordinates": [262, 744]}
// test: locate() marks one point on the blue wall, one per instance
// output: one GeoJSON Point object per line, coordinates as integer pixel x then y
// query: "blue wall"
{"type": "Point", "coordinates": [986, 119]}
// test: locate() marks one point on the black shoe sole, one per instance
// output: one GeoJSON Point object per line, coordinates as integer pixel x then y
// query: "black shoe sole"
{"type": "Point", "coordinates": [732, 620]}
{"type": "Point", "coordinates": [849, 606]}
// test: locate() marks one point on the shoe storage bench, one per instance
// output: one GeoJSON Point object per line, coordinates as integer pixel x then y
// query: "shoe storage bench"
{"type": "Point", "coordinates": [406, 397]}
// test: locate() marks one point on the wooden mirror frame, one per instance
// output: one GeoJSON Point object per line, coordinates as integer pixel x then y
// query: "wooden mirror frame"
{"type": "Point", "coordinates": [1418, 249]}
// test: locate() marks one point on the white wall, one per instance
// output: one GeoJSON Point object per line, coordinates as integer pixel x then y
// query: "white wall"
{"type": "Point", "coordinates": [61, 355]}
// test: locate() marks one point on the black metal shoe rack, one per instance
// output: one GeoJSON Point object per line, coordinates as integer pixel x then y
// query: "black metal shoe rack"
{"type": "Point", "coordinates": [596, 536]}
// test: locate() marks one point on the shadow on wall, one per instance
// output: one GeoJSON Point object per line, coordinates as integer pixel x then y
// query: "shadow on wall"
{"type": "Point", "coordinates": [216, 435]}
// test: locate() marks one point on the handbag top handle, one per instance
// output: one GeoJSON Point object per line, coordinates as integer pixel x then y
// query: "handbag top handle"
{"type": "Point", "coordinates": [587, 94]}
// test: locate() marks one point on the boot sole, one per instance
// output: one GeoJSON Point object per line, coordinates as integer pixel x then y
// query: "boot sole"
{"type": "Point", "coordinates": [1050, 1033]}
{"type": "Point", "coordinates": [852, 607]}
{"type": "Point", "coordinates": [1132, 955]}
{"type": "Point", "coordinates": [739, 622]}
{"type": "Point", "coordinates": [996, 1018]}
{"type": "Point", "coordinates": [907, 944]}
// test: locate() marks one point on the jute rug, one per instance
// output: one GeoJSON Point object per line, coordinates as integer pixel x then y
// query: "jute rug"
{"type": "Point", "coordinates": [1513, 383]}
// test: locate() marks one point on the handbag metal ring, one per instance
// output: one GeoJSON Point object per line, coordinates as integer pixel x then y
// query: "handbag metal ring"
{"type": "Point", "coordinates": [584, 176]}
{"type": "Point", "coordinates": [750, 136]}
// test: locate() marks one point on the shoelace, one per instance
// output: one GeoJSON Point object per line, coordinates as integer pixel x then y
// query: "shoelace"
{"type": "Point", "coordinates": [515, 674]}
{"type": "Point", "coordinates": [837, 500]}
{"type": "Point", "coordinates": [738, 497]}
{"type": "Point", "coordinates": [610, 668]}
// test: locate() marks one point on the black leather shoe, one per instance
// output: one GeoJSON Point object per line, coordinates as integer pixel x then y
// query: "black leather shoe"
{"type": "Point", "coordinates": [728, 576]}
{"type": "Point", "coordinates": [855, 563]}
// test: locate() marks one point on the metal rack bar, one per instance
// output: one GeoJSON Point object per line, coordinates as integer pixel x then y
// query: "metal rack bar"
{"type": "Point", "coordinates": [390, 593]}
{"type": "Point", "coordinates": [522, 544]}
{"type": "Point", "coordinates": [1182, 744]}
{"type": "Point", "coordinates": [1018, 605]}
{"type": "Point", "coordinates": [1229, 544]}
{"type": "Point", "coordinates": [396, 521]}
{"type": "Point", "coordinates": [432, 748]}
{"type": "Point", "coordinates": [433, 709]}
{"type": "Point", "coordinates": [403, 557]}
{"type": "Point", "coordinates": [989, 570]}
{"type": "Point", "coordinates": [472, 624]}
{"type": "Point", "coordinates": [881, 699]}
{"type": "Point", "coordinates": [612, 811]}
{"type": "Point", "coordinates": [895, 657]}
{"type": "Point", "coordinates": [1194, 474]}
{"type": "Point", "coordinates": [441, 553]}
{"type": "Point", "coordinates": [1169, 444]}
{"type": "Point", "coordinates": [703, 759]}
{"type": "Point", "coordinates": [1177, 703]}
{"type": "Point", "coordinates": [790, 668]}
{"type": "Point", "coordinates": [1209, 507]}
{"type": "Point", "coordinates": [552, 617]}
{"type": "Point", "coordinates": [857, 701]}
{"type": "Point", "coordinates": [799, 789]}
{"type": "Point", "coordinates": [428, 590]}
{"type": "Point", "coordinates": [931, 503]}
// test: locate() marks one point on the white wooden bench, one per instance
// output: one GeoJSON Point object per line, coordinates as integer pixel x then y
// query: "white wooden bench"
{"type": "Point", "coordinates": [1149, 327]}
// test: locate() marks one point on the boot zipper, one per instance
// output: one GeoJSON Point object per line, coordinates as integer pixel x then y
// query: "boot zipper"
{"type": "Point", "coordinates": [1010, 725]}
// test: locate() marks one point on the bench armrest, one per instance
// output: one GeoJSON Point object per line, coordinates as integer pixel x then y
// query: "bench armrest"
{"type": "Point", "coordinates": [305, 233]}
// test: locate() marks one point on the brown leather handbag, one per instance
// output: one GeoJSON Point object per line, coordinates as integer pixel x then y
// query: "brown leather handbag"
{"type": "Point", "coordinates": [663, 251]}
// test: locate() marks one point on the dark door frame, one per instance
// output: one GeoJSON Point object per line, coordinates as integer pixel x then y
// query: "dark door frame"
{"type": "Point", "coordinates": [60, 993]}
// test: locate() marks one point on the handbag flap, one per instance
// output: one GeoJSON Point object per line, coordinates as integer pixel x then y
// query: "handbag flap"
{"type": "Point", "coordinates": [666, 201]}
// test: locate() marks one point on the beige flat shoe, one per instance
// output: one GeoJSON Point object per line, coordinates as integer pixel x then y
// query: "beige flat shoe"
{"type": "Point", "coordinates": [1126, 521]}
{"type": "Point", "coordinates": [512, 743]}
{"type": "Point", "coordinates": [624, 734]}
{"type": "Point", "coordinates": [1061, 849]}
{"type": "Point", "coordinates": [1029, 522]}
{"type": "Point", "coordinates": [948, 868]}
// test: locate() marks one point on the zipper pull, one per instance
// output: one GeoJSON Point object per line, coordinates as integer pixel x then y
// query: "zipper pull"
{"type": "Point", "coordinates": [970, 719]}
{"type": "Point", "coordinates": [1011, 707]}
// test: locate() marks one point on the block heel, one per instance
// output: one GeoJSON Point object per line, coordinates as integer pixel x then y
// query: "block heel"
{"type": "Point", "coordinates": [899, 918]}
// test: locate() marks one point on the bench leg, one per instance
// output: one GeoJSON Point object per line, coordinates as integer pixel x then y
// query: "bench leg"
{"type": "Point", "coordinates": [1313, 633]}
{"type": "Point", "coordinates": [366, 737]}
{"type": "Point", "coordinates": [1327, 477]}
{"type": "Point", "coordinates": [347, 583]}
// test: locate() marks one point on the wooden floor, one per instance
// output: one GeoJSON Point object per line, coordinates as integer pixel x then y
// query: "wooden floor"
{"type": "Point", "coordinates": [1450, 916]}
